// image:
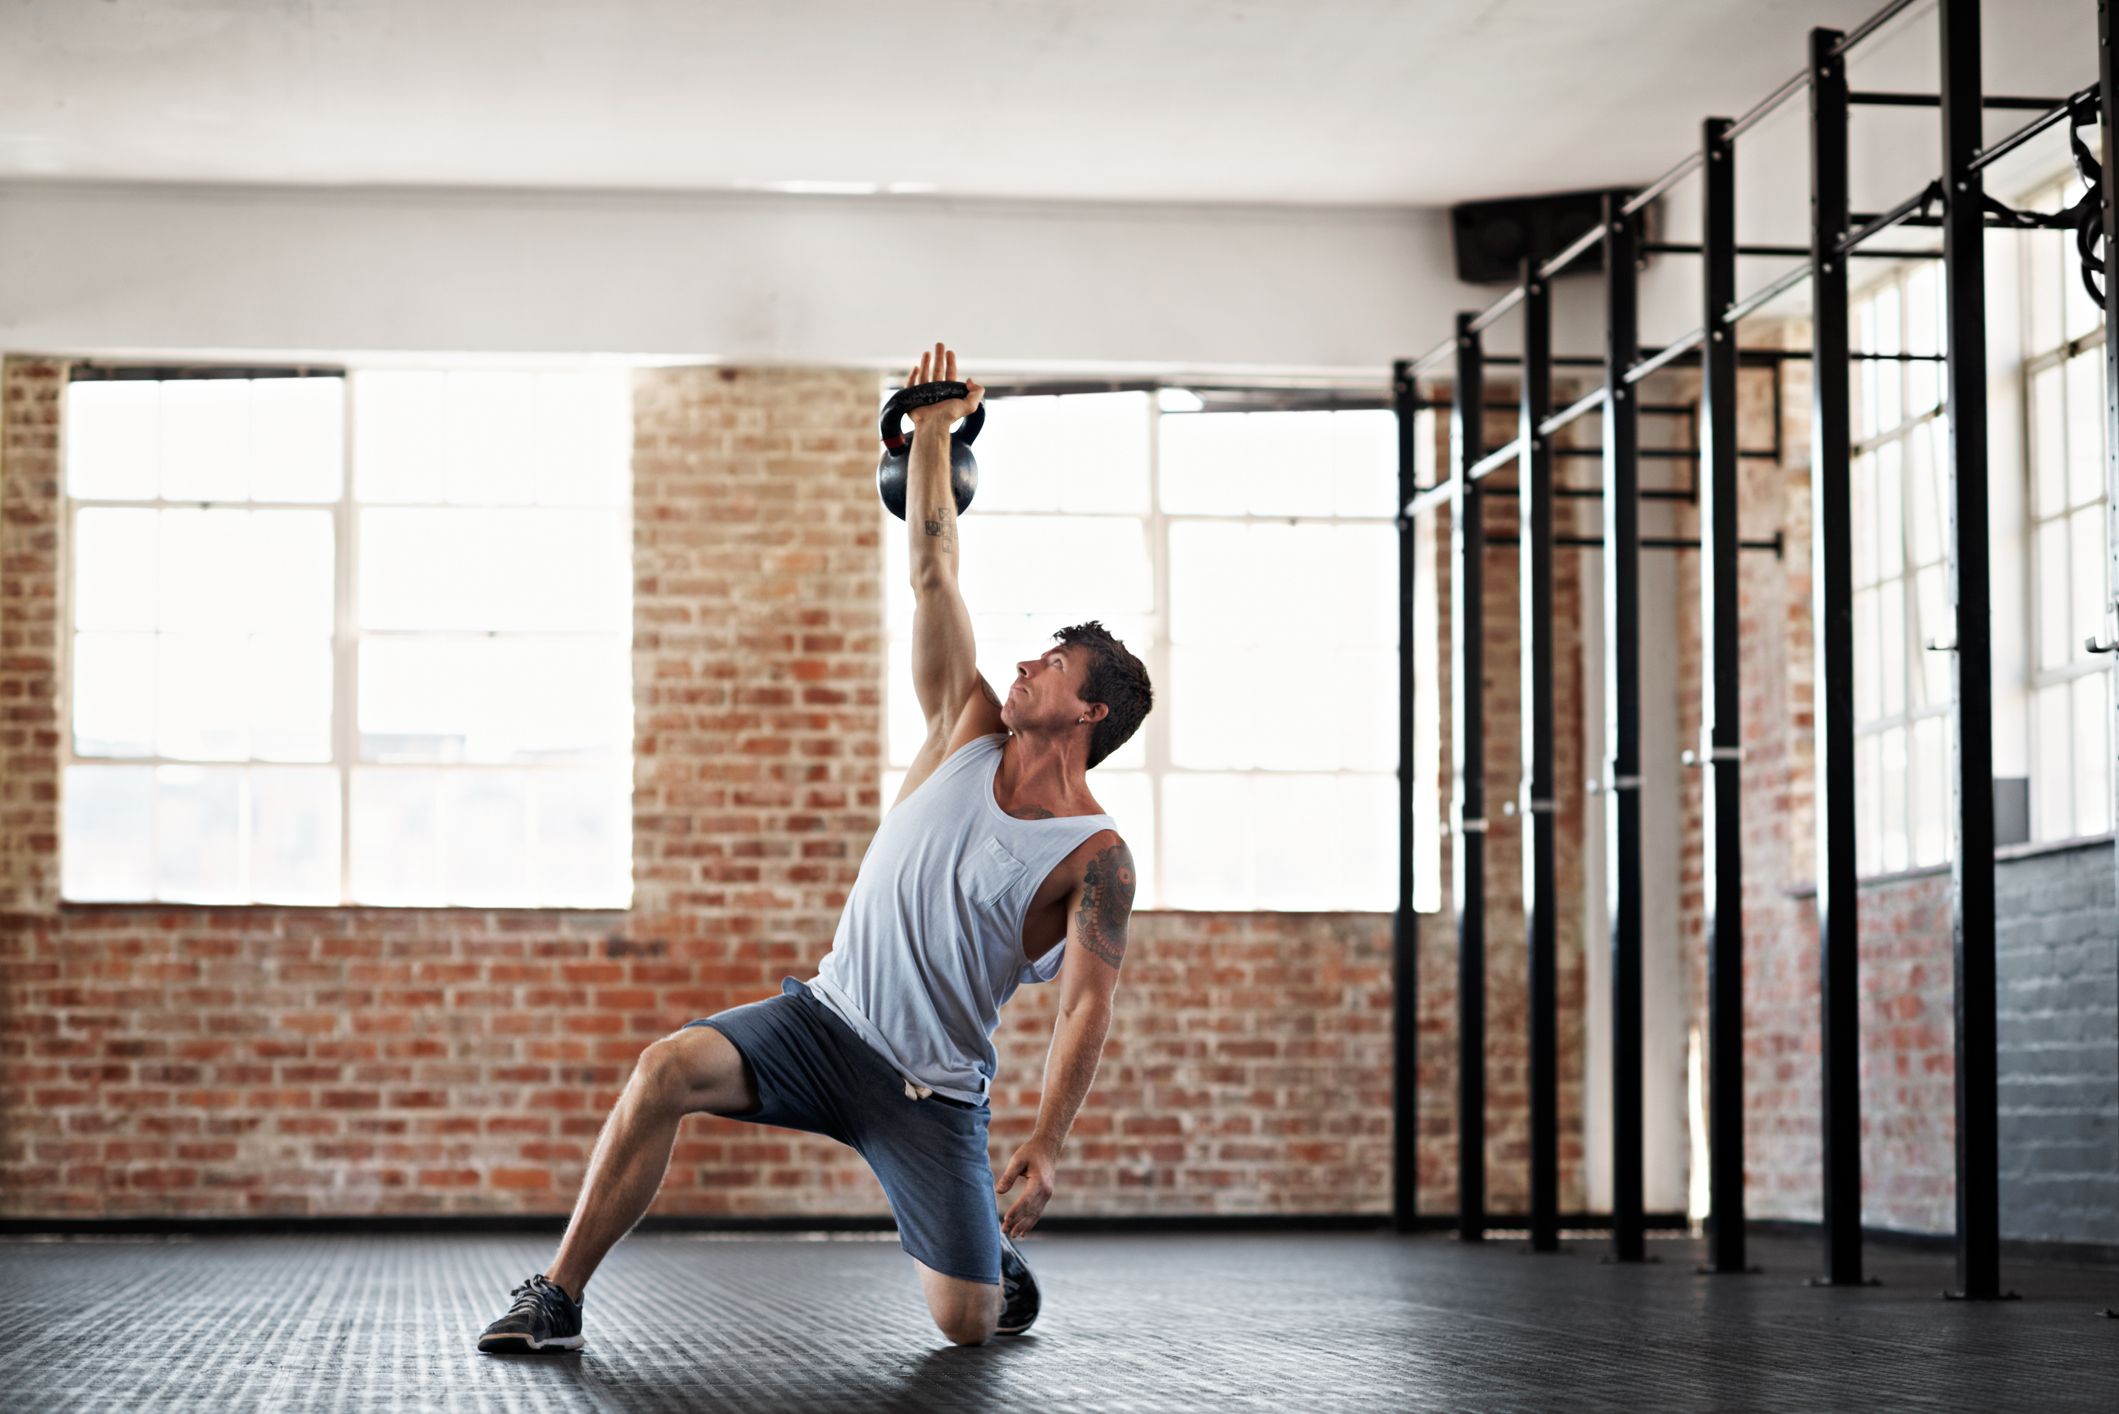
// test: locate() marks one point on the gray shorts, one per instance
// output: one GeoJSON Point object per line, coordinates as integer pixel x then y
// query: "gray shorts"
{"type": "Point", "coordinates": [814, 1074]}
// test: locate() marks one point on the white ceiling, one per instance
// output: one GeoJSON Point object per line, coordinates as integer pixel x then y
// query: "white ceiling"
{"type": "Point", "coordinates": [1392, 102]}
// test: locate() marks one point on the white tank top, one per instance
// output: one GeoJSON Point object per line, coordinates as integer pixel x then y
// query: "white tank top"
{"type": "Point", "coordinates": [931, 943]}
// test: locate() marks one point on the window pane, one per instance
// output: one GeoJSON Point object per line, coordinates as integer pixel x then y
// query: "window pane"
{"type": "Point", "coordinates": [1358, 596]}
{"type": "Point", "coordinates": [566, 571]}
{"type": "Point", "coordinates": [588, 431]}
{"type": "Point", "coordinates": [290, 698]}
{"type": "Point", "coordinates": [199, 709]}
{"type": "Point", "coordinates": [2054, 611]}
{"type": "Point", "coordinates": [1294, 724]}
{"type": "Point", "coordinates": [1931, 792]}
{"type": "Point", "coordinates": [290, 570]}
{"type": "Point", "coordinates": [1309, 868]}
{"type": "Point", "coordinates": [1206, 841]}
{"type": "Point", "coordinates": [1101, 453]}
{"type": "Point", "coordinates": [204, 579]}
{"type": "Point", "coordinates": [1923, 380]}
{"type": "Point", "coordinates": [1361, 707]}
{"type": "Point", "coordinates": [1868, 800]}
{"type": "Point", "coordinates": [107, 847]}
{"type": "Point", "coordinates": [1862, 477]}
{"type": "Point", "coordinates": [1890, 511]}
{"type": "Point", "coordinates": [1363, 463]}
{"type": "Point", "coordinates": [1128, 797]}
{"type": "Point", "coordinates": [2085, 432]}
{"type": "Point", "coordinates": [114, 568]}
{"type": "Point", "coordinates": [114, 694]}
{"type": "Point", "coordinates": [2087, 597]}
{"type": "Point", "coordinates": [1205, 463]}
{"type": "Point", "coordinates": [486, 825]}
{"type": "Point", "coordinates": [2093, 754]}
{"type": "Point", "coordinates": [113, 439]}
{"type": "Point", "coordinates": [198, 815]}
{"type": "Point", "coordinates": [1891, 648]}
{"type": "Point", "coordinates": [206, 439]}
{"type": "Point", "coordinates": [1207, 730]}
{"type": "Point", "coordinates": [297, 438]}
{"type": "Point", "coordinates": [1868, 671]}
{"type": "Point", "coordinates": [584, 838]}
{"type": "Point", "coordinates": [494, 442]}
{"type": "Point", "coordinates": [1891, 808]}
{"type": "Point", "coordinates": [1211, 586]}
{"type": "Point", "coordinates": [397, 843]}
{"type": "Point", "coordinates": [1932, 682]}
{"type": "Point", "coordinates": [2045, 288]}
{"type": "Point", "coordinates": [493, 700]}
{"type": "Point", "coordinates": [399, 436]}
{"type": "Point", "coordinates": [1077, 567]}
{"type": "Point", "coordinates": [907, 728]}
{"type": "Point", "coordinates": [1287, 459]}
{"type": "Point", "coordinates": [294, 845]}
{"type": "Point", "coordinates": [2052, 783]}
{"type": "Point", "coordinates": [2048, 444]}
{"type": "Point", "coordinates": [1924, 497]}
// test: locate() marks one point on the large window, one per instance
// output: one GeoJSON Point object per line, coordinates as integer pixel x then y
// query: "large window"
{"type": "Point", "coordinates": [1249, 559]}
{"type": "Point", "coordinates": [2064, 393]}
{"type": "Point", "coordinates": [1900, 468]}
{"type": "Point", "coordinates": [408, 685]}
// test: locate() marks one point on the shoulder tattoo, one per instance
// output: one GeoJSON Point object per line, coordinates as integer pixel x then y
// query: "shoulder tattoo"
{"type": "Point", "coordinates": [1107, 902]}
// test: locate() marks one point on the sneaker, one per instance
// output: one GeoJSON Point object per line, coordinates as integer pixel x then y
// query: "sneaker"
{"type": "Point", "coordinates": [543, 1318]}
{"type": "Point", "coordinates": [1018, 1291]}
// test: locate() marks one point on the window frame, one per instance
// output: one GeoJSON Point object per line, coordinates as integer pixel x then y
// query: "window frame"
{"type": "Point", "coordinates": [347, 636]}
{"type": "Point", "coordinates": [1215, 399]}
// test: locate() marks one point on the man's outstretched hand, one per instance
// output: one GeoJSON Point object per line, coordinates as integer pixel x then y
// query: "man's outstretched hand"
{"type": "Point", "coordinates": [1037, 1165]}
{"type": "Point", "coordinates": [940, 367]}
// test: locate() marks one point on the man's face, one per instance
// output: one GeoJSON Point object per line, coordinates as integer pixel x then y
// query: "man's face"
{"type": "Point", "coordinates": [1046, 691]}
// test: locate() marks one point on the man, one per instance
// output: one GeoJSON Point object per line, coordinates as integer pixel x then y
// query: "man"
{"type": "Point", "coordinates": [993, 857]}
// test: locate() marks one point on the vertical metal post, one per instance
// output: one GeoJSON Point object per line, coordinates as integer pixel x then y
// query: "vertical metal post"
{"type": "Point", "coordinates": [1721, 744]}
{"type": "Point", "coordinates": [1972, 859]}
{"type": "Point", "coordinates": [1540, 879]}
{"type": "Point", "coordinates": [1832, 605]}
{"type": "Point", "coordinates": [1405, 924]}
{"type": "Point", "coordinates": [1467, 615]}
{"type": "Point", "coordinates": [1622, 725]}
{"type": "Point", "coordinates": [2108, 95]}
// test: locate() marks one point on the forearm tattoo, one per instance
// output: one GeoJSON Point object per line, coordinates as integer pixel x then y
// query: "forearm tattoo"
{"type": "Point", "coordinates": [940, 527]}
{"type": "Point", "coordinates": [1107, 902]}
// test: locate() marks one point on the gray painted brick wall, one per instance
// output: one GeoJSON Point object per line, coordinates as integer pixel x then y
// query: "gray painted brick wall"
{"type": "Point", "coordinates": [2057, 956]}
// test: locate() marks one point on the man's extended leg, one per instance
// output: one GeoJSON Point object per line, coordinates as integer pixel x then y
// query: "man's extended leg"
{"type": "Point", "coordinates": [696, 1069]}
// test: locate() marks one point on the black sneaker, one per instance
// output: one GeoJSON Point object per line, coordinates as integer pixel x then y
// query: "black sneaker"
{"type": "Point", "coordinates": [1018, 1291]}
{"type": "Point", "coordinates": [543, 1318]}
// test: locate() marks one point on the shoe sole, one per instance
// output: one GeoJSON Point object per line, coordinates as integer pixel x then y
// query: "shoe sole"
{"type": "Point", "coordinates": [523, 1345]}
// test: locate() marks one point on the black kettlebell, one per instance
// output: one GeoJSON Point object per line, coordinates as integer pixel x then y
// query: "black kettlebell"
{"type": "Point", "coordinates": [896, 463]}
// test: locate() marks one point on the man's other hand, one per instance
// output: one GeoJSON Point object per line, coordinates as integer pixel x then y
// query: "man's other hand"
{"type": "Point", "coordinates": [1037, 1165]}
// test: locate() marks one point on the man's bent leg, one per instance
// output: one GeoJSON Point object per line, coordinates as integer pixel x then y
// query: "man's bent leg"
{"type": "Point", "coordinates": [966, 1311]}
{"type": "Point", "coordinates": [696, 1069]}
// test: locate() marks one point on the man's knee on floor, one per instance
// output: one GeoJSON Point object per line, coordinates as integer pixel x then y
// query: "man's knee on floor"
{"type": "Point", "coordinates": [969, 1314]}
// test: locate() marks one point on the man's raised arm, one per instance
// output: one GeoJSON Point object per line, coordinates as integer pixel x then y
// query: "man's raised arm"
{"type": "Point", "coordinates": [944, 653]}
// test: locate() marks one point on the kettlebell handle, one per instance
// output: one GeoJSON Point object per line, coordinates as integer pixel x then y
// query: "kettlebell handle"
{"type": "Point", "coordinates": [896, 440]}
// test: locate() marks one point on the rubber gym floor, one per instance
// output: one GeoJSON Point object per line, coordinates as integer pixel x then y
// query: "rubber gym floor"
{"type": "Point", "coordinates": [1150, 1323]}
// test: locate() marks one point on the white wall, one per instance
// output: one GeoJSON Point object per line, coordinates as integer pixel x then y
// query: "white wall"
{"type": "Point", "coordinates": [759, 279]}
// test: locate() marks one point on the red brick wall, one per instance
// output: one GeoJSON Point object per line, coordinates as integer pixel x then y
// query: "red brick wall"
{"type": "Point", "coordinates": [1908, 1118]}
{"type": "Point", "coordinates": [165, 1060]}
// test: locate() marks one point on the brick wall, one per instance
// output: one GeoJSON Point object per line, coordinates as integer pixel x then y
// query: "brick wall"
{"type": "Point", "coordinates": [166, 1060]}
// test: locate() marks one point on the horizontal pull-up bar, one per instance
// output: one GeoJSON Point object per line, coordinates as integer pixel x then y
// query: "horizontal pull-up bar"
{"type": "Point", "coordinates": [2002, 147]}
{"type": "Point", "coordinates": [1793, 252]}
{"type": "Point", "coordinates": [1647, 542]}
{"type": "Point", "coordinates": [1581, 406]}
{"type": "Point", "coordinates": [1493, 461]}
{"type": "Point", "coordinates": [1589, 240]}
{"type": "Point", "coordinates": [1918, 203]}
{"type": "Point", "coordinates": [1486, 317]}
{"type": "Point", "coordinates": [1878, 99]}
{"type": "Point", "coordinates": [1765, 295]}
{"type": "Point", "coordinates": [1668, 354]}
{"type": "Point", "coordinates": [1871, 25]}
